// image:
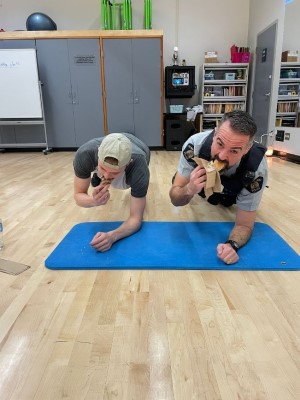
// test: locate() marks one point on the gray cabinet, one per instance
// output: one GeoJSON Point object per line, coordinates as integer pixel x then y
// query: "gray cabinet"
{"type": "Point", "coordinates": [70, 72]}
{"type": "Point", "coordinates": [25, 134]}
{"type": "Point", "coordinates": [78, 106]}
{"type": "Point", "coordinates": [132, 69]}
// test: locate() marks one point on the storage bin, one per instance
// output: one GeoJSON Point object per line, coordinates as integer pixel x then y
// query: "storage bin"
{"type": "Point", "coordinates": [229, 76]}
{"type": "Point", "coordinates": [289, 56]}
{"type": "Point", "coordinates": [292, 74]}
{"type": "Point", "coordinates": [288, 74]}
{"type": "Point", "coordinates": [211, 57]}
{"type": "Point", "coordinates": [176, 109]}
{"type": "Point", "coordinates": [238, 55]}
{"type": "Point", "coordinates": [209, 76]}
{"type": "Point", "coordinates": [246, 57]}
{"type": "Point", "coordinates": [213, 91]}
{"type": "Point", "coordinates": [289, 89]}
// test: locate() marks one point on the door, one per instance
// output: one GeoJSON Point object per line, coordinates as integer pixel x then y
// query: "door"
{"type": "Point", "coordinates": [147, 90]}
{"type": "Point", "coordinates": [118, 85]}
{"type": "Point", "coordinates": [132, 69]}
{"type": "Point", "coordinates": [263, 80]}
{"type": "Point", "coordinates": [85, 69]}
{"type": "Point", "coordinates": [71, 75]}
{"type": "Point", "coordinates": [53, 64]}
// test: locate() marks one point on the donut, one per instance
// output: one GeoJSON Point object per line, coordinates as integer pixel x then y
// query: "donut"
{"type": "Point", "coordinates": [219, 165]}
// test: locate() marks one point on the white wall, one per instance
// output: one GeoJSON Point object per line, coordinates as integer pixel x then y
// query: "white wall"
{"type": "Point", "coordinates": [67, 14]}
{"type": "Point", "coordinates": [195, 26]}
{"type": "Point", "coordinates": [209, 26]}
{"type": "Point", "coordinates": [291, 35]}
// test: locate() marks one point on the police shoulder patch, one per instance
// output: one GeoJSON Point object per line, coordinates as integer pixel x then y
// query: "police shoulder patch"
{"type": "Point", "coordinates": [256, 185]}
{"type": "Point", "coordinates": [188, 153]}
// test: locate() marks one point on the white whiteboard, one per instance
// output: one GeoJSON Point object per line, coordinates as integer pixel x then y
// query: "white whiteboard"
{"type": "Point", "coordinates": [19, 84]}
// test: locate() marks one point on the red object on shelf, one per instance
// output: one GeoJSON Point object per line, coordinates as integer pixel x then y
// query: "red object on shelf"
{"type": "Point", "coordinates": [239, 56]}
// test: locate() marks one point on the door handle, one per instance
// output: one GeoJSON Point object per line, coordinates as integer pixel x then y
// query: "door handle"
{"type": "Point", "coordinates": [268, 94]}
{"type": "Point", "coordinates": [135, 97]}
{"type": "Point", "coordinates": [74, 98]}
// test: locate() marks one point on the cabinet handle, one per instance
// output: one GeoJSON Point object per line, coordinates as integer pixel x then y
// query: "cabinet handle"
{"type": "Point", "coordinates": [136, 98]}
{"type": "Point", "coordinates": [74, 98]}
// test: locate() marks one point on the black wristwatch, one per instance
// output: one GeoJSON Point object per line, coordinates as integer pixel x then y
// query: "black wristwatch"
{"type": "Point", "coordinates": [233, 244]}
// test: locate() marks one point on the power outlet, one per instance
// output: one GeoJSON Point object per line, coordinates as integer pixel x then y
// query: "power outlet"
{"type": "Point", "coordinates": [287, 136]}
{"type": "Point", "coordinates": [279, 136]}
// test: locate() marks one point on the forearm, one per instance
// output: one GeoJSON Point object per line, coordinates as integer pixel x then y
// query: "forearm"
{"type": "Point", "coordinates": [241, 234]}
{"type": "Point", "coordinates": [84, 200]}
{"type": "Point", "coordinates": [130, 226]}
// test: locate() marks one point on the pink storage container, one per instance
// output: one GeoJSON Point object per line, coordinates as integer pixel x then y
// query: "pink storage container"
{"type": "Point", "coordinates": [239, 57]}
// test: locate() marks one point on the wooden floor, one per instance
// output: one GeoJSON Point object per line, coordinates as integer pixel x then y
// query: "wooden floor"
{"type": "Point", "coordinates": [161, 335]}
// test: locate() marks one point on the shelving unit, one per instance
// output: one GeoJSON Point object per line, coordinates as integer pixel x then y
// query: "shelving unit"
{"type": "Point", "coordinates": [223, 89]}
{"type": "Point", "coordinates": [287, 114]}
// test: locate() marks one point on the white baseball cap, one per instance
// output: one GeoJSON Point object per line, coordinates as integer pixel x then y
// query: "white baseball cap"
{"type": "Point", "coordinates": [115, 145]}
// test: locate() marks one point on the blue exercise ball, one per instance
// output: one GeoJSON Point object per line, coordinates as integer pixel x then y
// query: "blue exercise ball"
{"type": "Point", "coordinates": [40, 22]}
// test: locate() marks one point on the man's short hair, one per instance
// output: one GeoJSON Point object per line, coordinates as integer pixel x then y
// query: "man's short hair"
{"type": "Point", "coordinates": [241, 122]}
{"type": "Point", "coordinates": [116, 146]}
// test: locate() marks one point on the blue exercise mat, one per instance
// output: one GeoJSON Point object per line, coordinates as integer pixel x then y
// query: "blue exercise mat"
{"type": "Point", "coordinates": [172, 245]}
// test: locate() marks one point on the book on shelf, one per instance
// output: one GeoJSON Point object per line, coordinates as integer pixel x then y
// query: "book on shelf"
{"type": "Point", "coordinates": [287, 106]}
{"type": "Point", "coordinates": [221, 108]}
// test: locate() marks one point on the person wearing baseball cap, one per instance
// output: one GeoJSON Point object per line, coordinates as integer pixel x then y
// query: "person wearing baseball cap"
{"type": "Point", "coordinates": [119, 160]}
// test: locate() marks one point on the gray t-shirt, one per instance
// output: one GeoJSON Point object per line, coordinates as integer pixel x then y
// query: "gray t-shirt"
{"type": "Point", "coordinates": [245, 200]}
{"type": "Point", "coordinates": [136, 175]}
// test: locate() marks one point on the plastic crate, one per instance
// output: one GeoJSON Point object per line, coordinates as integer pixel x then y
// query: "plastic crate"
{"type": "Point", "coordinates": [176, 109]}
{"type": "Point", "coordinates": [209, 76]}
{"type": "Point", "coordinates": [229, 76]}
{"type": "Point", "coordinates": [288, 74]}
{"type": "Point", "coordinates": [292, 74]}
{"type": "Point", "coordinates": [289, 89]}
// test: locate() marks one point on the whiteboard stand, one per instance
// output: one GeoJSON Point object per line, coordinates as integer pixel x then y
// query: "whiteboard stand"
{"type": "Point", "coordinates": [21, 100]}
{"type": "Point", "coordinates": [38, 121]}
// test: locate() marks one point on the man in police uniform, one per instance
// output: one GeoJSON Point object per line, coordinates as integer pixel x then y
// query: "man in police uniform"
{"type": "Point", "coordinates": [244, 176]}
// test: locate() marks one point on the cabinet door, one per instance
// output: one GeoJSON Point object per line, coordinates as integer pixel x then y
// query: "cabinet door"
{"type": "Point", "coordinates": [26, 133]}
{"type": "Point", "coordinates": [133, 87]}
{"type": "Point", "coordinates": [147, 90]}
{"type": "Point", "coordinates": [71, 75]}
{"type": "Point", "coordinates": [53, 64]}
{"type": "Point", "coordinates": [118, 85]}
{"type": "Point", "coordinates": [85, 69]}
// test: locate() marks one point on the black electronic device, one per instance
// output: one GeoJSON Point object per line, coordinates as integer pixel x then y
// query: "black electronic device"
{"type": "Point", "coordinates": [179, 81]}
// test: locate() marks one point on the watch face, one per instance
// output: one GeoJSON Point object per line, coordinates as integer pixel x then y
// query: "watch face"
{"type": "Point", "coordinates": [233, 244]}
